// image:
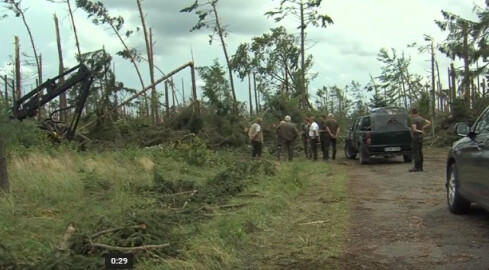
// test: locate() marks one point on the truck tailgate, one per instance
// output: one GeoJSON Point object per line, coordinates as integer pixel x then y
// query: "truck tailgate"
{"type": "Point", "coordinates": [391, 138]}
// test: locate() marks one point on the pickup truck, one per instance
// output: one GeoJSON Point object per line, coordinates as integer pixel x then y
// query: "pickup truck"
{"type": "Point", "coordinates": [383, 133]}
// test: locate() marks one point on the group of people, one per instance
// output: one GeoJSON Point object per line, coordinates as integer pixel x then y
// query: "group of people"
{"type": "Point", "coordinates": [324, 134]}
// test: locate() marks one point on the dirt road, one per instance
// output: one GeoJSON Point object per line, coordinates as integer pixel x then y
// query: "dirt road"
{"type": "Point", "coordinates": [400, 220]}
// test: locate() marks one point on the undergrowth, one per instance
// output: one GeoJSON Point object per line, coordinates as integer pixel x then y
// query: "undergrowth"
{"type": "Point", "coordinates": [153, 196]}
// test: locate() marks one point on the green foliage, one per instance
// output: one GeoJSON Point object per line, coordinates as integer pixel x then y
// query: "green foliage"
{"type": "Point", "coordinates": [311, 12]}
{"type": "Point", "coordinates": [274, 57]}
{"type": "Point", "coordinates": [216, 88]}
{"type": "Point", "coordinates": [423, 105]}
{"type": "Point", "coordinates": [279, 105]}
{"type": "Point", "coordinates": [398, 84]}
{"type": "Point", "coordinates": [187, 119]}
{"type": "Point", "coordinates": [198, 153]}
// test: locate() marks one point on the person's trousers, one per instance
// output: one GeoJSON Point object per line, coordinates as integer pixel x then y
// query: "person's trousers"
{"type": "Point", "coordinates": [330, 142]}
{"type": "Point", "coordinates": [288, 146]}
{"type": "Point", "coordinates": [323, 145]}
{"type": "Point", "coordinates": [279, 148]}
{"type": "Point", "coordinates": [314, 148]}
{"type": "Point", "coordinates": [256, 148]}
{"type": "Point", "coordinates": [306, 147]}
{"type": "Point", "coordinates": [417, 147]}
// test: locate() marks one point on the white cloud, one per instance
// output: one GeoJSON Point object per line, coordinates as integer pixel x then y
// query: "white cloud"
{"type": "Point", "coordinates": [344, 51]}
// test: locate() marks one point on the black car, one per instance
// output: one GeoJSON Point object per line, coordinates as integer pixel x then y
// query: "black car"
{"type": "Point", "coordinates": [468, 166]}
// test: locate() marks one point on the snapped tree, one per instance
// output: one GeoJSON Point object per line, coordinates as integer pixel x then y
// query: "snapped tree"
{"type": "Point", "coordinates": [209, 18]}
{"type": "Point", "coordinates": [307, 12]}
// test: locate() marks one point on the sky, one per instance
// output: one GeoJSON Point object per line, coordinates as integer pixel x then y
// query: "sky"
{"type": "Point", "coordinates": [344, 51]}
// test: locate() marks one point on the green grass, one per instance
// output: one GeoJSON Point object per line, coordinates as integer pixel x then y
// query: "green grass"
{"type": "Point", "coordinates": [99, 191]}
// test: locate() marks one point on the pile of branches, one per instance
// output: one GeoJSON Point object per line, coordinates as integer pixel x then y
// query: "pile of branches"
{"type": "Point", "coordinates": [151, 229]}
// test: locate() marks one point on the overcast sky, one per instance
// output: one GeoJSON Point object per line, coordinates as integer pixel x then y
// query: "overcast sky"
{"type": "Point", "coordinates": [345, 51]}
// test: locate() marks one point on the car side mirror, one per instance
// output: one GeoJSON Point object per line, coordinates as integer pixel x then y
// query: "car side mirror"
{"type": "Point", "coordinates": [462, 129]}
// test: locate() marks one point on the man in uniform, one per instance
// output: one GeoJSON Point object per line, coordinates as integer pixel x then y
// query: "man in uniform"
{"type": "Point", "coordinates": [331, 135]}
{"type": "Point", "coordinates": [278, 139]}
{"type": "Point", "coordinates": [305, 137]}
{"type": "Point", "coordinates": [255, 135]}
{"type": "Point", "coordinates": [313, 137]}
{"type": "Point", "coordinates": [322, 136]}
{"type": "Point", "coordinates": [417, 133]}
{"type": "Point", "coordinates": [287, 134]}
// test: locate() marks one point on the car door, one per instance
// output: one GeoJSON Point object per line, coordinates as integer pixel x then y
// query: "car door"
{"type": "Point", "coordinates": [481, 161]}
{"type": "Point", "coordinates": [474, 162]}
{"type": "Point", "coordinates": [351, 133]}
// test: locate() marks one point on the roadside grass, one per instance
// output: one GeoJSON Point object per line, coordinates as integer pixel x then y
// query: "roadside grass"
{"type": "Point", "coordinates": [275, 224]}
{"type": "Point", "coordinates": [99, 191]}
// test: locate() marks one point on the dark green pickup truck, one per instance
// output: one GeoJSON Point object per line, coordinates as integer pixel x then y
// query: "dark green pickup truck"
{"type": "Point", "coordinates": [383, 133]}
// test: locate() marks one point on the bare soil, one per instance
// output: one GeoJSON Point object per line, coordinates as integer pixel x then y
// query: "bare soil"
{"type": "Point", "coordinates": [400, 219]}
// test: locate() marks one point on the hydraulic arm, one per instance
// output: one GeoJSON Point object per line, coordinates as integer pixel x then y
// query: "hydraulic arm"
{"type": "Point", "coordinates": [30, 103]}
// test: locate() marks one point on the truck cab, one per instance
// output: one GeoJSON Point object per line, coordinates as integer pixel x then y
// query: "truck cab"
{"type": "Point", "coordinates": [384, 132]}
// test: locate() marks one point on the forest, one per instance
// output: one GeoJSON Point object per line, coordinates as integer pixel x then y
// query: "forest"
{"type": "Point", "coordinates": [164, 173]}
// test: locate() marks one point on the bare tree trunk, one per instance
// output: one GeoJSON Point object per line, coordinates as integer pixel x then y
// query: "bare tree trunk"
{"type": "Point", "coordinates": [478, 78]}
{"type": "Point", "coordinates": [133, 61]}
{"type": "Point", "coordinates": [74, 29]}
{"type": "Point", "coordinates": [454, 84]}
{"type": "Point", "coordinates": [62, 97]}
{"type": "Point", "coordinates": [194, 89]}
{"type": "Point", "coordinates": [440, 93]}
{"type": "Point", "coordinates": [6, 91]}
{"type": "Point", "coordinates": [286, 78]}
{"type": "Point", "coordinates": [39, 94]}
{"type": "Point", "coordinates": [433, 88]}
{"type": "Point", "coordinates": [303, 51]}
{"type": "Point", "coordinates": [173, 92]}
{"type": "Point", "coordinates": [156, 98]}
{"type": "Point", "coordinates": [466, 65]}
{"type": "Point", "coordinates": [22, 15]}
{"type": "Point", "coordinates": [167, 101]}
{"type": "Point", "coordinates": [150, 62]}
{"type": "Point", "coordinates": [251, 98]}
{"type": "Point", "coordinates": [4, 180]}
{"type": "Point", "coordinates": [257, 107]}
{"type": "Point", "coordinates": [18, 79]}
{"type": "Point", "coordinates": [183, 94]}
{"type": "Point", "coordinates": [450, 90]}
{"type": "Point", "coordinates": [228, 62]}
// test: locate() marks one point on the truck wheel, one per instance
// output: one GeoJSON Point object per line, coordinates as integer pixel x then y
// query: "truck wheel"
{"type": "Point", "coordinates": [407, 158]}
{"type": "Point", "coordinates": [363, 156]}
{"type": "Point", "coordinates": [349, 152]}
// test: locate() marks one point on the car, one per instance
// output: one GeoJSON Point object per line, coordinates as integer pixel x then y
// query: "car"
{"type": "Point", "coordinates": [384, 132]}
{"type": "Point", "coordinates": [467, 169]}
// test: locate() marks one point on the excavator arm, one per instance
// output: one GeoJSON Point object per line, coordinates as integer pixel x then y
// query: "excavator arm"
{"type": "Point", "coordinates": [30, 103]}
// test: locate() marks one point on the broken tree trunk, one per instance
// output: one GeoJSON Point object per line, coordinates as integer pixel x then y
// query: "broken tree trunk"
{"type": "Point", "coordinates": [65, 243]}
{"type": "Point", "coordinates": [61, 68]}
{"type": "Point", "coordinates": [18, 80]}
{"type": "Point", "coordinates": [4, 180]}
{"type": "Point", "coordinates": [150, 62]}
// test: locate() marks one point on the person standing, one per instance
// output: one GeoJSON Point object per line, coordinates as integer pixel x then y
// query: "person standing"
{"type": "Point", "coordinates": [255, 135]}
{"type": "Point", "coordinates": [305, 137]}
{"type": "Point", "coordinates": [332, 132]}
{"type": "Point", "coordinates": [417, 134]}
{"type": "Point", "coordinates": [287, 134]}
{"type": "Point", "coordinates": [313, 137]}
{"type": "Point", "coordinates": [278, 139]}
{"type": "Point", "coordinates": [322, 137]}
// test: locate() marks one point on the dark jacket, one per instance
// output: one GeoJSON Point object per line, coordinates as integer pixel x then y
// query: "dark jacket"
{"type": "Point", "coordinates": [287, 132]}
